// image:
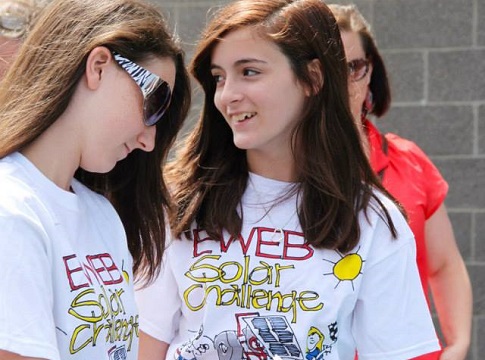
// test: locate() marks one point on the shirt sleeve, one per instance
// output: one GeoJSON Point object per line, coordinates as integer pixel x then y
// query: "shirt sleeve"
{"type": "Point", "coordinates": [26, 299]}
{"type": "Point", "coordinates": [159, 304]}
{"type": "Point", "coordinates": [391, 300]}
{"type": "Point", "coordinates": [435, 185]}
{"type": "Point", "coordinates": [432, 184]}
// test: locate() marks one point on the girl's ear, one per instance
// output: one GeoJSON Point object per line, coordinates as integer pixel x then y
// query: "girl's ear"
{"type": "Point", "coordinates": [96, 64]}
{"type": "Point", "coordinates": [316, 75]}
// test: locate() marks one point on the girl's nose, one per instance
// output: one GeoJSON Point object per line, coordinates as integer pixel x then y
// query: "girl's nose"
{"type": "Point", "coordinates": [146, 140]}
{"type": "Point", "coordinates": [230, 92]}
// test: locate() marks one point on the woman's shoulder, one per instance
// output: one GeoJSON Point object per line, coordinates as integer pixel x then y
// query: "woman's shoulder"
{"type": "Point", "coordinates": [16, 189]}
{"type": "Point", "coordinates": [375, 229]}
{"type": "Point", "coordinates": [405, 154]}
{"type": "Point", "coordinates": [379, 204]}
{"type": "Point", "coordinates": [405, 146]}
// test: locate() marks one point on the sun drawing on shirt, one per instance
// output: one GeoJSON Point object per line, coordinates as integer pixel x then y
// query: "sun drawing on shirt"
{"type": "Point", "coordinates": [348, 268]}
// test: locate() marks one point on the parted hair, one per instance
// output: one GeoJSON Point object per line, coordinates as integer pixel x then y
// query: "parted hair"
{"type": "Point", "coordinates": [350, 19]}
{"type": "Point", "coordinates": [335, 180]}
{"type": "Point", "coordinates": [40, 84]}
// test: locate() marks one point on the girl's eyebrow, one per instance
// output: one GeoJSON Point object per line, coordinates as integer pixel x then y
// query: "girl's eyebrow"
{"type": "Point", "coordinates": [241, 62]}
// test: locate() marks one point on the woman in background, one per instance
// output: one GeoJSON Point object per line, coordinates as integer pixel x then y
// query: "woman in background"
{"type": "Point", "coordinates": [410, 176]}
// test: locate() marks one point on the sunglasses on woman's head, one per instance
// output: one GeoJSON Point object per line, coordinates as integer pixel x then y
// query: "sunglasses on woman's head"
{"type": "Point", "coordinates": [156, 92]}
{"type": "Point", "coordinates": [358, 69]}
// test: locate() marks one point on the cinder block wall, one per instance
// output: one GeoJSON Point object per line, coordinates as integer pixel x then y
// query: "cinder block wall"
{"type": "Point", "coordinates": [435, 52]}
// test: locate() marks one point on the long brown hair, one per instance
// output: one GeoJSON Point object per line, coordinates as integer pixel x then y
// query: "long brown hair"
{"type": "Point", "coordinates": [41, 81]}
{"type": "Point", "coordinates": [335, 180]}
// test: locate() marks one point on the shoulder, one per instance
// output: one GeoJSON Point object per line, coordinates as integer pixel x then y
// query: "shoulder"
{"type": "Point", "coordinates": [17, 194]}
{"type": "Point", "coordinates": [376, 235]}
{"type": "Point", "coordinates": [379, 204]}
{"type": "Point", "coordinates": [406, 148]}
{"type": "Point", "coordinates": [24, 218]}
{"type": "Point", "coordinates": [413, 164]}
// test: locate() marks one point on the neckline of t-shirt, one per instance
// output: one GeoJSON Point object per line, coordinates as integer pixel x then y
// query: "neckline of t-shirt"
{"type": "Point", "coordinates": [263, 191]}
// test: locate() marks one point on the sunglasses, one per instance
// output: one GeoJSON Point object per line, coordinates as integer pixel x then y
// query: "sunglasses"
{"type": "Point", "coordinates": [358, 69]}
{"type": "Point", "coordinates": [156, 92]}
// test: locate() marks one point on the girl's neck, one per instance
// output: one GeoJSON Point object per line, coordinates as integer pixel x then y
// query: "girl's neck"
{"type": "Point", "coordinates": [280, 167]}
{"type": "Point", "coordinates": [54, 154]}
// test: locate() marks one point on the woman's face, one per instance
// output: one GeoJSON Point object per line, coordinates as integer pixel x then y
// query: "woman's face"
{"type": "Point", "coordinates": [118, 117]}
{"type": "Point", "coordinates": [357, 89]}
{"type": "Point", "coordinates": [257, 92]}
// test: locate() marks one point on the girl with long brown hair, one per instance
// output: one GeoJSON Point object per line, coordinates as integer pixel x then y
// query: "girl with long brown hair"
{"type": "Point", "coordinates": [285, 244]}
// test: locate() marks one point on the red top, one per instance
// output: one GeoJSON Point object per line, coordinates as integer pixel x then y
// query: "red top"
{"type": "Point", "coordinates": [410, 176]}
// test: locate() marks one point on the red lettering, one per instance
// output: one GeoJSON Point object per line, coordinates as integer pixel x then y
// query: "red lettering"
{"type": "Point", "coordinates": [70, 271]}
{"type": "Point", "coordinates": [300, 245]}
{"type": "Point", "coordinates": [244, 244]}
{"type": "Point", "coordinates": [105, 268]}
{"type": "Point", "coordinates": [198, 239]}
{"type": "Point", "coordinates": [270, 242]}
{"type": "Point", "coordinates": [101, 266]}
{"type": "Point", "coordinates": [290, 245]}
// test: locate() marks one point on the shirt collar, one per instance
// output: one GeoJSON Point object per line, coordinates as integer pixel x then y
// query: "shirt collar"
{"type": "Point", "coordinates": [378, 158]}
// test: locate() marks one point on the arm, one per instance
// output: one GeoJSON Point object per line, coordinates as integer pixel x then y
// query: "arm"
{"type": "Point", "coordinates": [450, 285]}
{"type": "Point", "coordinates": [24, 264]}
{"type": "Point", "coordinates": [158, 326]}
{"type": "Point", "coordinates": [7, 355]}
{"type": "Point", "coordinates": [151, 348]}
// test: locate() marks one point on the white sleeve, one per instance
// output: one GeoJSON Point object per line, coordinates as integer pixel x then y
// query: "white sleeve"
{"type": "Point", "coordinates": [26, 296]}
{"type": "Point", "coordinates": [159, 304]}
{"type": "Point", "coordinates": [391, 301]}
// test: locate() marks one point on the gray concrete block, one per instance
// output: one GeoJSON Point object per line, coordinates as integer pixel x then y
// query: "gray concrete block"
{"type": "Point", "coordinates": [478, 285]}
{"type": "Point", "coordinates": [423, 23]}
{"type": "Point", "coordinates": [406, 75]}
{"type": "Point", "coordinates": [479, 336]}
{"type": "Point", "coordinates": [462, 228]}
{"type": "Point", "coordinates": [457, 75]}
{"type": "Point", "coordinates": [438, 130]}
{"type": "Point", "coordinates": [466, 177]}
{"type": "Point", "coordinates": [480, 237]}
{"type": "Point", "coordinates": [481, 129]}
{"type": "Point", "coordinates": [480, 22]}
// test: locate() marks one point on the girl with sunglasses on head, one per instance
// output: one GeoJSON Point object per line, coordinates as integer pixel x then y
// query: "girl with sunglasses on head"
{"type": "Point", "coordinates": [88, 111]}
{"type": "Point", "coordinates": [285, 245]}
{"type": "Point", "coordinates": [409, 175]}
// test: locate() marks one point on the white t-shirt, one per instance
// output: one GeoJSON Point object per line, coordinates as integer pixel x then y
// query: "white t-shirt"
{"type": "Point", "coordinates": [268, 293]}
{"type": "Point", "coordinates": [66, 283]}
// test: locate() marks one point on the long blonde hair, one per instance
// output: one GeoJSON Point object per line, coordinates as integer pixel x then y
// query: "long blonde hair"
{"type": "Point", "coordinates": [40, 83]}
